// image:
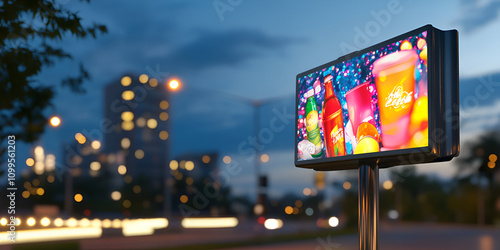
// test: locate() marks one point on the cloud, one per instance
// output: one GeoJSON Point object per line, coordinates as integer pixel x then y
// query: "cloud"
{"type": "Point", "coordinates": [476, 14]}
{"type": "Point", "coordinates": [226, 48]}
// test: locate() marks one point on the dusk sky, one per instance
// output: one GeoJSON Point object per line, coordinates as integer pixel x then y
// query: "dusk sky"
{"type": "Point", "coordinates": [255, 49]}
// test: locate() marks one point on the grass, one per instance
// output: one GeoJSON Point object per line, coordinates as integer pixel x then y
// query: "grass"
{"type": "Point", "coordinates": [64, 245]}
{"type": "Point", "coordinates": [264, 240]}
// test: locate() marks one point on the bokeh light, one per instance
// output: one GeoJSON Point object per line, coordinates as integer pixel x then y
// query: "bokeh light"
{"type": "Point", "coordinates": [493, 158]}
{"type": "Point", "coordinates": [127, 125]}
{"type": "Point", "coordinates": [126, 81]}
{"type": "Point", "coordinates": [164, 104]}
{"type": "Point", "coordinates": [128, 95]}
{"type": "Point", "coordinates": [152, 123]}
{"type": "Point", "coordinates": [306, 191]}
{"type": "Point", "coordinates": [55, 121]}
{"type": "Point", "coordinates": [122, 170]}
{"type": "Point", "coordinates": [139, 154]}
{"type": "Point", "coordinates": [30, 162]}
{"type": "Point", "coordinates": [78, 197]}
{"type": "Point", "coordinates": [80, 138]}
{"type": "Point", "coordinates": [127, 116]}
{"type": "Point", "coordinates": [95, 166]}
{"type": "Point", "coordinates": [205, 159]}
{"type": "Point", "coordinates": [141, 122]}
{"type": "Point", "coordinates": [174, 165]}
{"type": "Point", "coordinates": [226, 159]}
{"type": "Point", "coordinates": [116, 195]}
{"type": "Point", "coordinates": [127, 204]}
{"type": "Point", "coordinates": [125, 143]}
{"type": "Point", "coordinates": [264, 158]}
{"type": "Point", "coordinates": [163, 135]}
{"type": "Point", "coordinates": [31, 221]}
{"type": "Point", "coordinates": [153, 82]}
{"type": "Point", "coordinates": [58, 222]}
{"type": "Point", "coordinates": [174, 84]}
{"type": "Point", "coordinates": [333, 221]}
{"type": "Point", "coordinates": [387, 184]}
{"type": "Point", "coordinates": [189, 165]}
{"type": "Point", "coordinates": [143, 78]}
{"type": "Point", "coordinates": [163, 116]}
{"type": "Point", "coordinates": [183, 198]}
{"type": "Point", "coordinates": [96, 145]}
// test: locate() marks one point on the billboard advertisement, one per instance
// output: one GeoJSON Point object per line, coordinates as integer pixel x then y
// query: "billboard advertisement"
{"type": "Point", "coordinates": [372, 103]}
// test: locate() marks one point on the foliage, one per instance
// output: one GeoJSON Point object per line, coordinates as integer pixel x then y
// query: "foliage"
{"type": "Point", "coordinates": [29, 34]}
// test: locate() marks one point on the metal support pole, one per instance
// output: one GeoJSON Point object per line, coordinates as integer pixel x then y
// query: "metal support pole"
{"type": "Point", "coordinates": [368, 207]}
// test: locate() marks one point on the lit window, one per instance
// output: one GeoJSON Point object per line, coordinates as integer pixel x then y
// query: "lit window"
{"type": "Point", "coordinates": [143, 78]}
{"type": "Point", "coordinates": [163, 116]}
{"type": "Point", "coordinates": [125, 143]}
{"type": "Point", "coordinates": [95, 166]}
{"type": "Point", "coordinates": [189, 165]}
{"type": "Point", "coordinates": [127, 125]}
{"type": "Point", "coordinates": [152, 123]}
{"type": "Point", "coordinates": [122, 169]}
{"type": "Point", "coordinates": [205, 159]}
{"type": "Point", "coordinates": [126, 81]}
{"type": "Point", "coordinates": [174, 165]}
{"type": "Point", "coordinates": [141, 122]}
{"type": "Point", "coordinates": [139, 154]}
{"type": "Point", "coordinates": [163, 135]}
{"type": "Point", "coordinates": [127, 116]}
{"type": "Point", "coordinates": [153, 82]}
{"type": "Point", "coordinates": [128, 95]}
{"type": "Point", "coordinates": [116, 195]}
{"type": "Point", "coordinates": [164, 104]}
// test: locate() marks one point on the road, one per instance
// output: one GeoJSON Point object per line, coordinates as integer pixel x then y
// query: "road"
{"type": "Point", "coordinates": [408, 236]}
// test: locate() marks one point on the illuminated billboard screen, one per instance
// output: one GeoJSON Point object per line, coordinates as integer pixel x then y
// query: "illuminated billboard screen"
{"type": "Point", "coordinates": [363, 104]}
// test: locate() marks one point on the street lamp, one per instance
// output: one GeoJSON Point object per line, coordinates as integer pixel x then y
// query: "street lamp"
{"type": "Point", "coordinates": [55, 121]}
{"type": "Point", "coordinates": [261, 189]}
{"type": "Point", "coordinates": [174, 84]}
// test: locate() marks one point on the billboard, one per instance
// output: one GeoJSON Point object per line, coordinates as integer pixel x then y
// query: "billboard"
{"type": "Point", "coordinates": [384, 104]}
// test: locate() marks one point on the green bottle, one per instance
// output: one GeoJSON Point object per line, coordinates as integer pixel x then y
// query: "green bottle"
{"type": "Point", "coordinates": [312, 123]}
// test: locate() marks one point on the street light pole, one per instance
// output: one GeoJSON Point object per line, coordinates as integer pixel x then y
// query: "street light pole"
{"type": "Point", "coordinates": [256, 106]}
{"type": "Point", "coordinates": [173, 85]}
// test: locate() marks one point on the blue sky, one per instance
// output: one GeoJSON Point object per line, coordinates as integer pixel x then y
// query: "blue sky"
{"type": "Point", "coordinates": [254, 49]}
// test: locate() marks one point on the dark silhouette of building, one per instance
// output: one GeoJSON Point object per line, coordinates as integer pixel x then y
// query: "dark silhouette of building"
{"type": "Point", "coordinates": [136, 110]}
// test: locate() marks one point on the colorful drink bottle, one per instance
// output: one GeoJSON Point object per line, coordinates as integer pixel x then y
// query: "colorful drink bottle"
{"type": "Point", "coordinates": [312, 123]}
{"type": "Point", "coordinates": [333, 122]}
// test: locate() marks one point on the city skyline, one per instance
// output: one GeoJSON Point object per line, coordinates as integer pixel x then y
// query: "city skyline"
{"type": "Point", "coordinates": [263, 62]}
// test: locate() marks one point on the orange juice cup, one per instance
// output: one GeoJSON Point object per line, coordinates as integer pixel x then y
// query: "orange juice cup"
{"type": "Point", "coordinates": [395, 82]}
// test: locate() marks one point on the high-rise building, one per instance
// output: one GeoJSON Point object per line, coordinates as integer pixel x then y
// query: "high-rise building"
{"type": "Point", "coordinates": [137, 111]}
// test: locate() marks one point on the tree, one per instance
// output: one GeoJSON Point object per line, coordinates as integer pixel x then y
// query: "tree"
{"type": "Point", "coordinates": [481, 161]}
{"type": "Point", "coordinates": [482, 152]}
{"type": "Point", "coordinates": [29, 32]}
